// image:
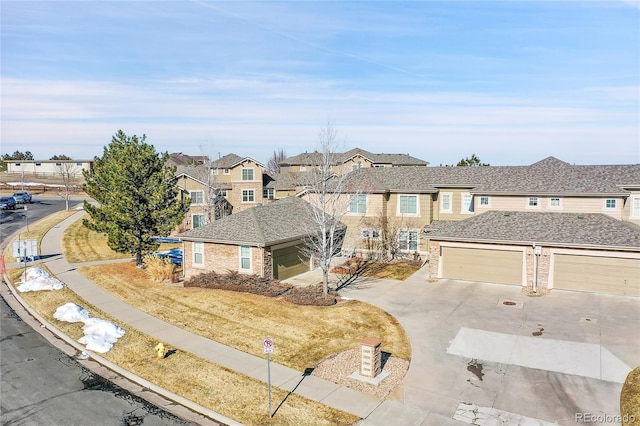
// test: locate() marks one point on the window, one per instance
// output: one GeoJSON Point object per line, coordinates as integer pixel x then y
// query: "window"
{"type": "Point", "coordinates": [408, 240]}
{"type": "Point", "coordinates": [375, 233]}
{"type": "Point", "coordinates": [16, 164]}
{"type": "Point", "coordinates": [247, 174]}
{"type": "Point", "coordinates": [215, 172]}
{"type": "Point", "coordinates": [408, 204]}
{"type": "Point", "coordinates": [366, 233]}
{"type": "Point", "coordinates": [38, 164]}
{"type": "Point", "coordinates": [358, 204]}
{"type": "Point", "coordinates": [484, 200]}
{"type": "Point", "coordinates": [198, 253]}
{"type": "Point", "coordinates": [197, 197]}
{"type": "Point", "coordinates": [267, 193]}
{"type": "Point", "coordinates": [635, 207]}
{"type": "Point", "coordinates": [245, 257]}
{"type": "Point", "coordinates": [533, 202]}
{"type": "Point", "coordinates": [467, 203]}
{"type": "Point", "coordinates": [78, 164]}
{"type": "Point", "coordinates": [222, 192]}
{"type": "Point", "coordinates": [58, 164]}
{"type": "Point", "coordinates": [355, 167]}
{"type": "Point", "coordinates": [610, 203]}
{"type": "Point", "coordinates": [227, 171]}
{"type": "Point", "coordinates": [198, 220]}
{"type": "Point", "coordinates": [554, 202]}
{"type": "Point", "coordinates": [303, 168]}
{"type": "Point", "coordinates": [248, 196]}
{"type": "Point", "coordinates": [445, 202]}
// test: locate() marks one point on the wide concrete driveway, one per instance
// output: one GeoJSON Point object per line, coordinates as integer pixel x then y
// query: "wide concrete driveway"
{"type": "Point", "coordinates": [557, 358]}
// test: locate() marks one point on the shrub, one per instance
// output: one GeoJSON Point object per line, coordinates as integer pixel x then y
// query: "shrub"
{"type": "Point", "coordinates": [159, 269]}
{"type": "Point", "coordinates": [312, 296]}
{"type": "Point", "coordinates": [630, 399]}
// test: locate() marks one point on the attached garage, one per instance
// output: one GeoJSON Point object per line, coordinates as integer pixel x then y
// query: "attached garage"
{"type": "Point", "coordinates": [483, 264]}
{"type": "Point", "coordinates": [289, 261]}
{"type": "Point", "coordinates": [604, 274]}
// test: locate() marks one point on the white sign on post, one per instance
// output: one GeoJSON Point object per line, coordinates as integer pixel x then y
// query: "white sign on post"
{"type": "Point", "coordinates": [267, 345]}
{"type": "Point", "coordinates": [25, 248]}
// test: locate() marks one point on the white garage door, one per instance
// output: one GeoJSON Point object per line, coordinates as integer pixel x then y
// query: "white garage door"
{"type": "Point", "coordinates": [598, 274]}
{"type": "Point", "coordinates": [493, 266]}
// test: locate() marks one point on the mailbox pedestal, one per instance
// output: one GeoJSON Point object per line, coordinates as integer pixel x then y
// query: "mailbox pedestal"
{"type": "Point", "coordinates": [371, 357]}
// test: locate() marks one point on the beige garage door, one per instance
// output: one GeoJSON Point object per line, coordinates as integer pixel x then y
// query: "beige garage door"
{"type": "Point", "coordinates": [287, 262]}
{"type": "Point", "coordinates": [594, 273]}
{"type": "Point", "coordinates": [493, 266]}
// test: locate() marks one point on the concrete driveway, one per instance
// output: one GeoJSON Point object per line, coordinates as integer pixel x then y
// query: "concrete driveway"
{"type": "Point", "coordinates": [559, 358]}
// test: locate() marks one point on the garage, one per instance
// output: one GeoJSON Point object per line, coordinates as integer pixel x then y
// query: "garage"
{"type": "Point", "coordinates": [487, 265]}
{"type": "Point", "coordinates": [288, 262]}
{"type": "Point", "coordinates": [603, 274]}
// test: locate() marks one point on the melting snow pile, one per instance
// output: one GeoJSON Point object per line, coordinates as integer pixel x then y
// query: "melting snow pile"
{"type": "Point", "coordinates": [99, 335]}
{"type": "Point", "coordinates": [36, 279]}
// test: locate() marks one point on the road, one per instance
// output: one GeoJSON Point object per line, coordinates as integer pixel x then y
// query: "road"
{"type": "Point", "coordinates": [40, 384]}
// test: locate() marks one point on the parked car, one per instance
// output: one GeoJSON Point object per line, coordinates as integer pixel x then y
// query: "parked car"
{"type": "Point", "coordinates": [7, 203]}
{"type": "Point", "coordinates": [22, 197]}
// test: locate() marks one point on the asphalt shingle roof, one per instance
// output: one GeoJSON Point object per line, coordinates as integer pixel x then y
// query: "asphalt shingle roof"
{"type": "Point", "coordinates": [316, 158]}
{"type": "Point", "coordinates": [279, 221]}
{"type": "Point", "coordinates": [592, 229]}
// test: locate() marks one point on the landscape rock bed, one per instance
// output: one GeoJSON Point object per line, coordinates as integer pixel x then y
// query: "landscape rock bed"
{"type": "Point", "coordinates": [339, 367]}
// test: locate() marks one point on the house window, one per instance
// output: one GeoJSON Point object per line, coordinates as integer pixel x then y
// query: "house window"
{"type": "Point", "coordinates": [408, 204]}
{"type": "Point", "coordinates": [78, 164]}
{"type": "Point", "coordinates": [267, 193]}
{"type": "Point", "coordinates": [58, 164]}
{"type": "Point", "coordinates": [533, 202]}
{"type": "Point", "coordinates": [484, 200]}
{"type": "Point", "coordinates": [467, 203]}
{"type": "Point", "coordinates": [610, 203]}
{"type": "Point", "coordinates": [408, 240]}
{"type": "Point", "coordinates": [635, 207]}
{"type": "Point", "coordinates": [16, 164]}
{"type": "Point", "coordinates": [355, 167]}
{"type": "Point", "coordinates": [245, 257]}
{"type": "Point", "coordinates": [366, 233]}
{"type": "Point", "coordinates": [222, 192]}
{"type": "Point", "coordinates": [227, 171]}
{"type": "Point", "coordinates": [303, 168]}
{"type": "Point", "coordinates": [375, 233]}
{"type": "Point", "coordinates": [197, 197]}
{"type": "Point", "coordinates": [554, 202]}
{"type": "Point", "coordinates": [198, 253]}
{"type": "Point", "coordinates": [198, 220]}
{"type": "Point", "coordinates": [214, 172]}
{"type": "Point", "coordinates": [358, 204]}
{"type": "Point", "coordinates": [247, 174]}
{"type": "Point", "coordinates": [445, 202]}
{"type": "Point", "coordinates": [248, 196]}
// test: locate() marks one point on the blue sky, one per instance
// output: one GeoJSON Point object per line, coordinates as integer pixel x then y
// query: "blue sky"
{"type": "Point", "coordinates": [511, 81]}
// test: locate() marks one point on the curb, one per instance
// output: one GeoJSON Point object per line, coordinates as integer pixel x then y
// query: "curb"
{"type": "Point", "coordinates": [145, 384]}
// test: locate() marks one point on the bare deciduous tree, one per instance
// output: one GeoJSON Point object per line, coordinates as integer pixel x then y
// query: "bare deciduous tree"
{"type": "Point", "coordinates": [69, 174]}
{"type": "Point", "coordinates": [273, 165]}
{"type": "Point", "coordinates": [387, 243]}
{"type": "Point", "coordinates": [328, 204]}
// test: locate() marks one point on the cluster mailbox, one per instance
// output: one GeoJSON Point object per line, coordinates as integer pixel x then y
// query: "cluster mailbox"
{"type": "Point", "coordinates": [371, 357]}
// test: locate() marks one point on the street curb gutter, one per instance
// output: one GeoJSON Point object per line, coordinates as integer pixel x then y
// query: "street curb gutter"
{"type": "Point", "coordinates": [145, 384]}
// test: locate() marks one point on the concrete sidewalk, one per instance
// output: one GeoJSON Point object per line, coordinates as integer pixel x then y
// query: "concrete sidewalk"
{"type": "Point", "coordinates": [311, 387]}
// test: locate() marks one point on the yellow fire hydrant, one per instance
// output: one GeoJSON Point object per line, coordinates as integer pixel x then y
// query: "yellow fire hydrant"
{"type": "Point", "coordinates": [160, 349]}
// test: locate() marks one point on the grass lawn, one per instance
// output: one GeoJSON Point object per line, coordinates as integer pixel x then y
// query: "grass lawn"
{"type": "Point", "coordinates": [304, 335]}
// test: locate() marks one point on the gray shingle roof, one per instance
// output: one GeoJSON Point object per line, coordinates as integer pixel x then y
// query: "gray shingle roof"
{"type": "Point", "coordinates": [549, 176]}
{"type": "Point", "coordinates": [593, 229]}
{"type": "Point", "coordinates": [312, 158]}
{"type": "Point", "coordinates": [280, 221]}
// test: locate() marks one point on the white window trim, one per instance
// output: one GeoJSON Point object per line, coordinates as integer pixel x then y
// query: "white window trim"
{"type": "Point", "coordinates": [197, 191]}
{"type": "Point", "coordinates": [409, 231]}
{"type": "Point", "coordinates": [242, 195]}
{"type": "Point", "coordinates": [488, 201]}
{"type": "Point", "coordinates": [366, 205]}
{"type": "Point", "coordinates": [194, 252]}
{"type": "Point", "coordinates": [559, 206]}
{"type": "Point", "coordinates": [193, 221]}
{"type": "Point", "coordinates": [529, 206]}
{"type": "Point", "coordinates": [240, 268]}
{"type": "Point", "coordinates": [462, 209]}
{"type": "Point", "coordinates": [227, 171]}
{"type": "Point", "coordinates": [634, 200]}
{"type": "Point", "coordinates": [446, 194]}
{"type": "Point", "coordinates": [303, 167]}
{"type": "Point", "coordinates": [604, 207]}
{"type": "Point", "coordinates": [416, 214]}
{"type": "Point", "coordinates": [253, 174]}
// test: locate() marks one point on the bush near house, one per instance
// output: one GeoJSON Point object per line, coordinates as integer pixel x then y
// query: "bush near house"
{"type": "Point", "coordinates": [246, 283]}
{"type": "Point", "coordinates": [630, 399]}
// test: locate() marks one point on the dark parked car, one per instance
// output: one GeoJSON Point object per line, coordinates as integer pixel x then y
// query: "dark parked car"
{"type": "Point", "coordinates": [22, 197]}
{"type": "Point", "coordinates": [7, 203]}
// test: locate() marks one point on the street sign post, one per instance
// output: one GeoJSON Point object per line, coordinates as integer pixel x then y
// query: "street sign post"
{"type": "Point", "coordinates": [267, 348]}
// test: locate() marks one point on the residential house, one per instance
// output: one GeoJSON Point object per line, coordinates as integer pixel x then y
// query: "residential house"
{"type": "Point", "coordinates": [264, 240]}
{"type": "Point", "coordinates": [48, 168]}
{"type": "Point", "coordinates": [424, 204]}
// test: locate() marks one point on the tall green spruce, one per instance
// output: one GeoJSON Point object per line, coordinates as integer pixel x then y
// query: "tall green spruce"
{"type": "Point", "coordinates": [136, 195]}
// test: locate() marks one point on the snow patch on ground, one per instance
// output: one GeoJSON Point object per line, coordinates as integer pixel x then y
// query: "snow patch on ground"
{"type": "Point", "coordinates": [36, 279]}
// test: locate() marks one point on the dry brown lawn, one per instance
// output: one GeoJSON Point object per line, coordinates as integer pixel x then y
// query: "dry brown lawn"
{"type": "Point", "coordinates": [304, 335]}
{"type": "Point", "coordinates": [210, 385]}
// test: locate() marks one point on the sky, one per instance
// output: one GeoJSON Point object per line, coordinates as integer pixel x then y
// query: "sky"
{"type": "Point", "coordinates": [512, 81]}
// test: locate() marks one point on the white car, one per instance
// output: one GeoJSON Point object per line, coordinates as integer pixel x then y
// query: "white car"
{"type": "Point", "coordinates": [22, 197]}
